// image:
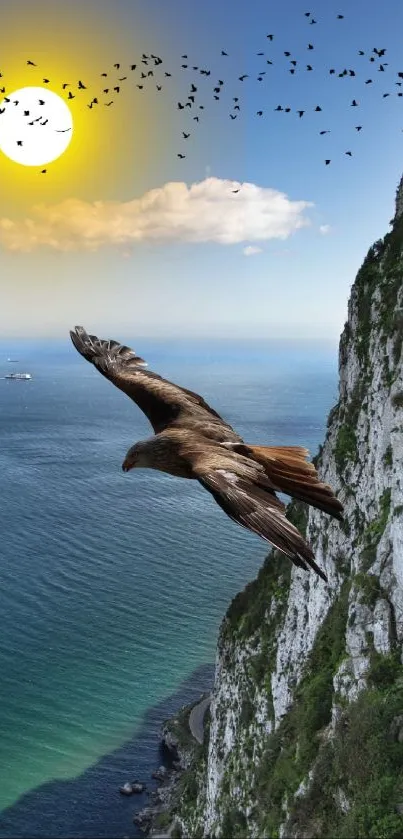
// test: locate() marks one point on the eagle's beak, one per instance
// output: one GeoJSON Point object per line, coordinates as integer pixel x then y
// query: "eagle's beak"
{"type": "Point", "coordinates": [126, 466]}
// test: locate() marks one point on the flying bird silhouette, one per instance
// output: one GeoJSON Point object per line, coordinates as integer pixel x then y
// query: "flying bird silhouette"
{"type": "Point", "coordinates": [216, 92]}
{"type": "Point", "coordinates": [192, 441]}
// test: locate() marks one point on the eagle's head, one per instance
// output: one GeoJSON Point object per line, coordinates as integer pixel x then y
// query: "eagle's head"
{"type": "Point", "coordinates": [132, 458]}
{"type": "Point", "coordinates": [139, 456]}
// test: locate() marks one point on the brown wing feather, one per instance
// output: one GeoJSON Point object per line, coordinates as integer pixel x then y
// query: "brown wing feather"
{"type": "Point", "coordinates": [259, 510]}
{"type": "Point", "coordinates": [162, 401]}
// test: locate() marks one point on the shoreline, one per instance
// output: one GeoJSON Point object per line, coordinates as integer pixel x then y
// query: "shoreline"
{"type": "Point", "coordinates": [178, 745]}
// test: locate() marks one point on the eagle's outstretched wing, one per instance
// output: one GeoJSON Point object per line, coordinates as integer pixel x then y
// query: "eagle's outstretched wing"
{"type": "Point", "coordinates": [252, 504]}
{"type": "Point", "coordinates": [161, 401]}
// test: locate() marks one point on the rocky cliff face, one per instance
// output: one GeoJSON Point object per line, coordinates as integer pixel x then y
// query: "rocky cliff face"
{"type": "Point", "coordinates": [306, 723]}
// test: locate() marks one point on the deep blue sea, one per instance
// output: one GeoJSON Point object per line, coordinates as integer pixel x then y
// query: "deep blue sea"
{"type": "Point", "coordinates": [113, 585]}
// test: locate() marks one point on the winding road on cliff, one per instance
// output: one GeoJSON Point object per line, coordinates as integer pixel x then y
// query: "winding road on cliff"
{"type": "Point", "coordinates": [196, 719]}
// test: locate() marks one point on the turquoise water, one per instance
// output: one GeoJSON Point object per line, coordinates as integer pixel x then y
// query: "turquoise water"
{"type": "Point", "coordinates": [113, 586]}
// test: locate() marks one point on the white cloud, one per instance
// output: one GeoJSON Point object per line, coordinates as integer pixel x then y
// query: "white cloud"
{"type": "Point", "coordinates": [251, 250]}
{"type": "Point", "coordinates": [208, 211]}
{"type": "Point", "coordinates": [324, 228]}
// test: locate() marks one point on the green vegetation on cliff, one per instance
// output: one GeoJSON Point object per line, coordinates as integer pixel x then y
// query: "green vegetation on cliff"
{"type": "Point", "coordinates": [357, 784]}
{"type": "Point", "coordinates": [292, 748]}
{"type": "Point", "coordinates": [375, 299]}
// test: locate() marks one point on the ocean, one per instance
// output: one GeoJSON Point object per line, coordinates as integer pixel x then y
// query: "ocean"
{"type": "Point", "coordinates": [113, 585]}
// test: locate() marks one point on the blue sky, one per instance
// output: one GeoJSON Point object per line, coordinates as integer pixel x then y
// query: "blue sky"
{"type": "Point", "coordinates": [296, 286]}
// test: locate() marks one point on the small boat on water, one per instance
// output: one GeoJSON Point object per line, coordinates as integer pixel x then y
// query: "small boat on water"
{"type": "Point", "coordinates": [18, 376]}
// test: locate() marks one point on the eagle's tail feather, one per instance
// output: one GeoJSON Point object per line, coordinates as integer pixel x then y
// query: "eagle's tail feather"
{"type": "Point", "coordinates": [292, 474]}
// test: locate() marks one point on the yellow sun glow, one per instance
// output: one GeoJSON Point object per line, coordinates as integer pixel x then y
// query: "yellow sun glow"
{"type": "Point", "coordinates": [36, 126]}
{"type": "Point", "coordinates": [112, 148]}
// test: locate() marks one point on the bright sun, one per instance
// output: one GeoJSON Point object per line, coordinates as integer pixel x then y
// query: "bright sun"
{"type": "Point", "coordinates": [36, 126]}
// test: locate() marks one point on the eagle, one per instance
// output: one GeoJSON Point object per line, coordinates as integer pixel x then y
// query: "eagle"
{"type": "Point", "coordinates": [191, 440]}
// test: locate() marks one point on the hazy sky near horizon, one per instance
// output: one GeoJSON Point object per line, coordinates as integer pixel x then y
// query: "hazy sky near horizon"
{"type": "Point", "coordinates": [124, 237]}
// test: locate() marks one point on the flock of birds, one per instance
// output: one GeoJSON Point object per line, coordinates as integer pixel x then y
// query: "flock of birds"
{"type": "Point", "coordinates": [149, 71]}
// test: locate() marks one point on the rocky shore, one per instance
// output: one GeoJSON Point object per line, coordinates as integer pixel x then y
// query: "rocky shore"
{"type": "Point", "coordinates": [157, 820]}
